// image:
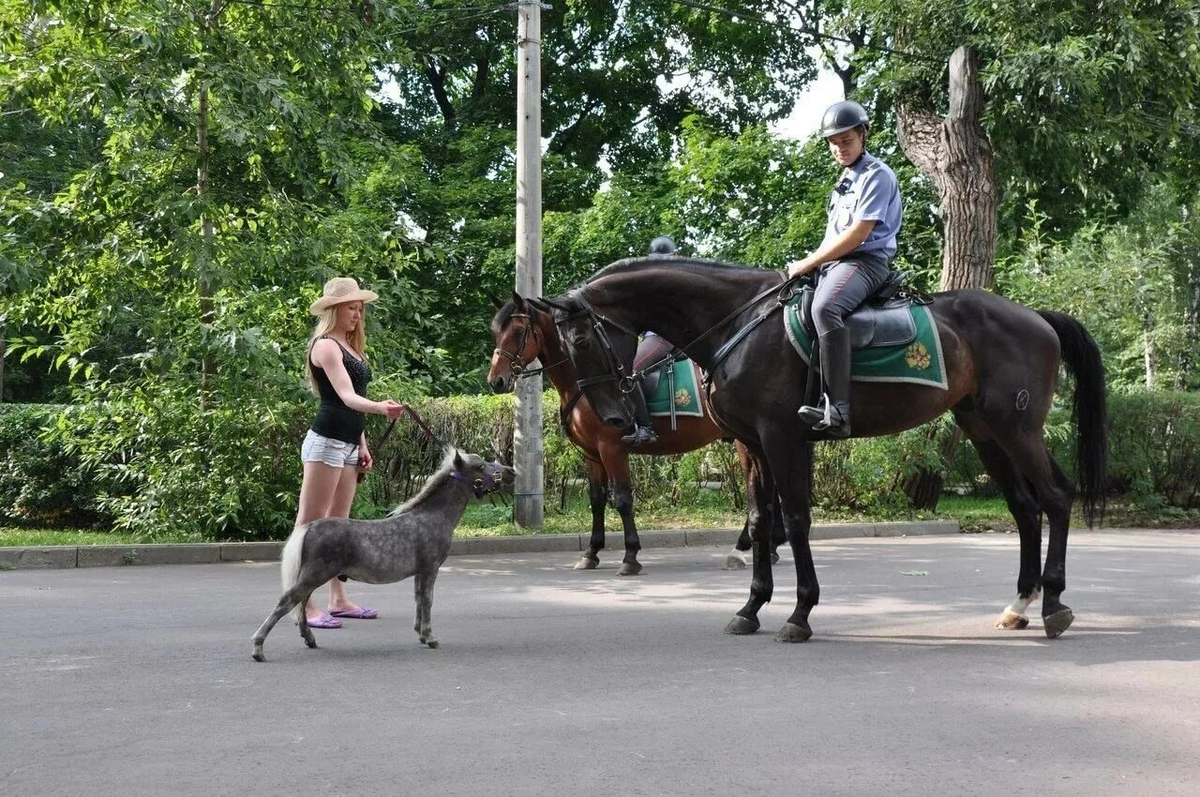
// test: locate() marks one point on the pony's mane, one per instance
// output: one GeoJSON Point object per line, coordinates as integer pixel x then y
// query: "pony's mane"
{"type": "Point", "coordinates": [431, 483]}
{"type": "Point", "coordinates": [674, 262]}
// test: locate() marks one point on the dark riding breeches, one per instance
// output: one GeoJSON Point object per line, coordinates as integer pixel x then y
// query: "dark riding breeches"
{"type": "Point", "coordinates": [844, 285]}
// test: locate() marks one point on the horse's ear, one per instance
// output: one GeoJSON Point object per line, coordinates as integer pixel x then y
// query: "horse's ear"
{"type": "Point", "coordinates": [496, 301]}
{"type": "Point", "coordinates": [458, 460]}
{"type": "Point", "coordinates": [518, 300]}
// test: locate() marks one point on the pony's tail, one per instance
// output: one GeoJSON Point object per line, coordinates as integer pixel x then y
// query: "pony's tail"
{"type": "Point", "coordinates": [289, 566]}
{"type": "Point", "coordinates": [1089, 411]}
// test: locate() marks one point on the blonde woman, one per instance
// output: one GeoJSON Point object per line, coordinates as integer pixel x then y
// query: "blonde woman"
{"type": "Point", "coordinates": [335, 448]}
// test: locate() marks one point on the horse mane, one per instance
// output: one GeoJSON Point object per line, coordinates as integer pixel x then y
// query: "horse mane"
{"type": "Point", "coordinates": [675, 262]}
{"type": "Point", "coordinates": [431, 483]}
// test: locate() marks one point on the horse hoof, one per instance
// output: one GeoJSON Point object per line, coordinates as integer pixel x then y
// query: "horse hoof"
{"type": "Point", "coordinates": [734, 562]}
{"type": "Point", "coordinates": [1011, 621]}
{"type": "Point", "coordinates": [740, 626]}
{"type": "Point", "coordinates": [257, 655]}
{"type": "Point", "coordinates": [587, 563]}
{"type": "Point", "coordinates": [1058, 622]}
{"type": "Point", "coordinates": [629, 569]}
{"type": "Point", "coordinates": [793, 633]}
{"type": "Point", "coordinates": [311, 642]}
{"type": "Point", "coordinates": [433, 643]}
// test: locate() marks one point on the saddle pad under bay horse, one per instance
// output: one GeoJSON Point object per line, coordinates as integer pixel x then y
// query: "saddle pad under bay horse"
{"type": "Point", "coordinates": [917, 360]}
{"type": "Point", "coordinates": [687, 391]}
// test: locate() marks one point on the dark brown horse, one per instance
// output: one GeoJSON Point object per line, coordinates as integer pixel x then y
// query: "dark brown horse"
{"type": "Point", "coordinates": [1002, 362]}
{"type": "Point", "coordinates": [523, 335]}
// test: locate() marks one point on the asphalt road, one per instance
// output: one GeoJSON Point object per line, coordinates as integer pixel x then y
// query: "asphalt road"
{"type": "Point", "coordinates": [138, 680]}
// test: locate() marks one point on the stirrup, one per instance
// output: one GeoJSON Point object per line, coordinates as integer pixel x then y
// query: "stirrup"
{"type": "Point", "coordinates": [640, 435]}
{"type": "Point", "coordinates": [835, 420]}
{"type": "Point", "coordinates": [811, 415]}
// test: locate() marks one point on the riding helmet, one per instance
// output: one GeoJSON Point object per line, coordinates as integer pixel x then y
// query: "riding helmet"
{"type": "Point", "coordinates": [843, 116]}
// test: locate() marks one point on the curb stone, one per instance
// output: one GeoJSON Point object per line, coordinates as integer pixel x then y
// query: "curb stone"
{"type": "Point", "coordinates": [68, 556]}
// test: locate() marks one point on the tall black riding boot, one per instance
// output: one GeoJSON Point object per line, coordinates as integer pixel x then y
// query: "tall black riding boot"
{"type": "Point", "coordinates": [833, 415]}
{"type": "Point", "coordinates": [643, 427]}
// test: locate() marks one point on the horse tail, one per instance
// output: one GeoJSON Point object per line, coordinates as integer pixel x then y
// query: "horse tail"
{"type": "Point", "coordinates": [1089, 410]}
{"type": "Point", "coordinates": [289, 566]}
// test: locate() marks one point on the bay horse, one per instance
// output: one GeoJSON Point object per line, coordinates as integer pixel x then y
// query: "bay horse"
{"type": "Point", "coordinates": [1001, 361]}
{"type": "Point", "coordinates": [523, 334]}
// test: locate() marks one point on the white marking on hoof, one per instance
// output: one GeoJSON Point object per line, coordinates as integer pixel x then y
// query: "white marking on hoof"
{"type": "Point", "coordinates": [1011, 621]}
{"type": "Point", "coordinates": [735, 561]}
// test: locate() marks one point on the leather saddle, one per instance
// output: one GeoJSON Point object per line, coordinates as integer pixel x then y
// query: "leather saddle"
{"type": "Point", "coordinates": [884, 319]}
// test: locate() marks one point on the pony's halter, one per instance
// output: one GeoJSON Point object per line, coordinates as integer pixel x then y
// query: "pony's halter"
{"type": "Point", "coordinates": [514, 358]}
{"type": "Point", "coordinates": [482, 486]}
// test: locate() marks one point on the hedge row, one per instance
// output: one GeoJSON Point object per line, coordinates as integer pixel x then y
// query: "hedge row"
{"type": "Point", "coordinates": [234, 473]}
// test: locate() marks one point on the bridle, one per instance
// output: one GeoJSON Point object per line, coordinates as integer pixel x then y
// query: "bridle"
{"type": "Point", "coordinates": [626, 383]}
{"type": "Point", "coordinates": [514, 359]}
{"type": "Point", "coordinates": [518, 369]}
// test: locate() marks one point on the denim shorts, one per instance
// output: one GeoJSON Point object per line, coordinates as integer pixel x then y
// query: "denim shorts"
{"type": "Point", "coordinates": [334, 453]}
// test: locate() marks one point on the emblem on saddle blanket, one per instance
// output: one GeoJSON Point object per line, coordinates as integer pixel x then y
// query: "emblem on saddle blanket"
{"type": "Point", "coordinates": [895, 343]}
{"type": "Point", "coordinates": [687, 393]}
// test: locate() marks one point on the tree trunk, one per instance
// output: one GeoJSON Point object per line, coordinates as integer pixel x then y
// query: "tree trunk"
{"type": "Point", "coordinates": [955, 153]}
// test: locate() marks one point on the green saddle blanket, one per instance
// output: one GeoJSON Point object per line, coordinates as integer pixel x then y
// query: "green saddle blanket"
{"type": "Point", "coordinates": [687, 391]}
{"type": "Point", "coordinates": [919, 361]}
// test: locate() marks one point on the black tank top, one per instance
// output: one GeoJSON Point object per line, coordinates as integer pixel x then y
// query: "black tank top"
{"type": "Point", "coordinates": [334, 418]}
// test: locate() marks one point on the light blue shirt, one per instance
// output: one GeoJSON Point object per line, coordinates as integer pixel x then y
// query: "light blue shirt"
{"type": "Point", "coordinates": [871, 193]}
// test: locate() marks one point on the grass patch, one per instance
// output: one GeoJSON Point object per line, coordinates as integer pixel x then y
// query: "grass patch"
{"type": "Point", "coordinates": [494, 520]}
{"type": "Point", "coordinates": [488, 519]}
{"type": "Point", "coordinates": [21, 537]}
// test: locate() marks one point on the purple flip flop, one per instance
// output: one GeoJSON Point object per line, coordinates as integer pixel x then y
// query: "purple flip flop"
{"type": "Point", "coordinates": [325, 621]}
{"type": "Point", "coordinates": [361, 613]}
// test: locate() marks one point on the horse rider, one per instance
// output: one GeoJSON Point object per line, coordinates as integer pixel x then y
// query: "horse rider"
{"type": "Point", "coordinates": [864, 216]}
{"type": "Point", "coordinates": [651, 348]}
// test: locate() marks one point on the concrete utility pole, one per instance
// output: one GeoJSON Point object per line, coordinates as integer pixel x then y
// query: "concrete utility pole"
{"type": "Point", "coordinates": [527, 435]}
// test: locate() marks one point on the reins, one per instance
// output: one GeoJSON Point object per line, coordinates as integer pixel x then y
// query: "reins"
{"type": "Point", "coordinates": [627, 384]}
{"type": "Point", "coordinates": [481, 487]}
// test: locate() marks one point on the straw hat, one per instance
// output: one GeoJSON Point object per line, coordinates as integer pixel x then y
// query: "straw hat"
{"type": "Point", "coordinates": [340, 290]}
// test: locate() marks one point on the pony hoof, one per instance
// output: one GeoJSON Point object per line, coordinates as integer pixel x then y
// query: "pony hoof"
{"type": "Point", "coordinates": [587, 563]}
{"type": "Point", "coordinates": [793, 633]}
{"type": "Point", "coordinates": [734, 562]}
{"type": "Point", "coordinates": [433, 643]}
{"type": "Point", "coordinates": [629, 569]}
{"type": "Point", "coordinates": [1058, 622]}
{"type": "Point", "coordinates": [311, 642]}
{"type": "Point", "coordinates": [257, 655]}
{"type": "Point", "coordinates": [1011, 621]}
{"type": "Point", "coordinates": [740, 626]}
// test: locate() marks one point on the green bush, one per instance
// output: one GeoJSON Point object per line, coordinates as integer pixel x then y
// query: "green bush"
{"type": "Point", "coordinates": [234, 472]}
{"type": "Point", "coordinates": [41, 484]}
{"type": "Point", "coordinates": [1154, 448]}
